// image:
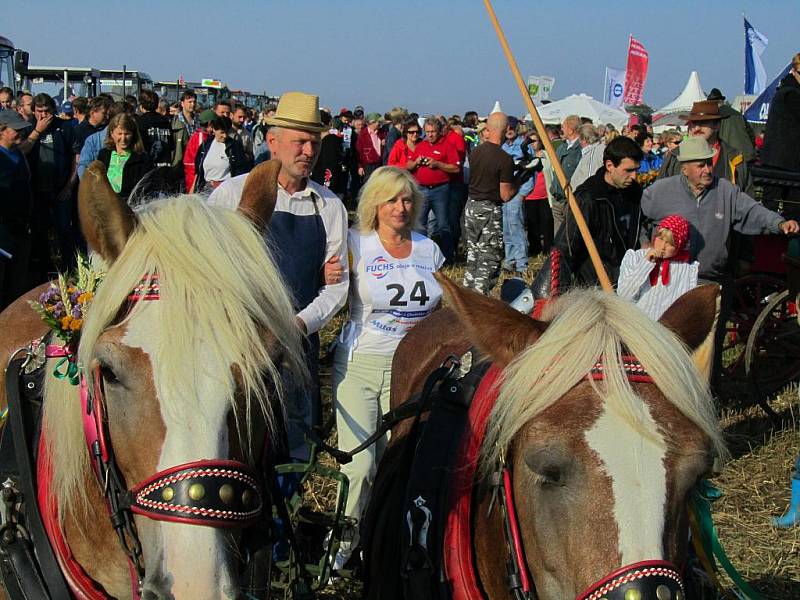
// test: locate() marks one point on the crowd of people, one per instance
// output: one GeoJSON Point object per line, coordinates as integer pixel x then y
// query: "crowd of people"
{"type": "Point", "coordinates": [419, 192]}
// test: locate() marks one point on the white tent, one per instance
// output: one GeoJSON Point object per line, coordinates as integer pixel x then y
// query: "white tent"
{"type": "Point", "coordinates": [692, 92]}
{"type": "Point", "coordinates": [496, 107]}
{"type": "Point", "coordinates": [583, 106]}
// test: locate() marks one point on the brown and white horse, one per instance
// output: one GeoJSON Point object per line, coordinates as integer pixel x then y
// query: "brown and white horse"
{"type": "Point", "coordinates": [190, 372]}
{"type": "Point", "coordinates": [601, 467]}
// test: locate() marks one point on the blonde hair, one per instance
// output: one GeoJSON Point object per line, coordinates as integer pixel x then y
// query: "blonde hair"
{"type": "Point", "coordinates": [383, 185]}
{"type": "Point", "coordinates": [219, 291]}
{"type": "Point", "coordinates": [665, 234]}
{"type": "Point", "coordinates": [588, 326]}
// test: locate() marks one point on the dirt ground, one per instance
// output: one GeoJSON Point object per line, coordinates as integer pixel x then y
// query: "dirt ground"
{"type": "Point", "coordinates": [754, 482]}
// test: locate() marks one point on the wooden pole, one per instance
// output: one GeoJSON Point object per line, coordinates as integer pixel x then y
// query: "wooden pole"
{"type": "Point", "coordinates": [602, 276]}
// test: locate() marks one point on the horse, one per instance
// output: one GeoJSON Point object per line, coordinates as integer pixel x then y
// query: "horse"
{"type": "Point", "coordinates": [601, 425]}
{"type": "Point", "coordinates": [183, 355]}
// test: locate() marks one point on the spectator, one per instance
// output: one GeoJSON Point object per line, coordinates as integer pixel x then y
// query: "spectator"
{"type": "Point", "coordinates": [490, 184]}
{"type": "Point", "coordinates": [53, 173]}
{"type": "Point", "coordinates": [66, 112]}
{"type": "Point", "coordinates": [363, 363]}
{"type": "Point", "coordinates": [94, 143]}
{"type": "Point", "coordinates": [195, 145]}
{"type": "Point", "coordinates": [369, 146]}
{"type": "Point", "coordinates": [15, 209]}
{"type": "Point", "coordinates": [330, 169]}
{"type": "Point", "coordinates": [435, 161]}
{"type": "Point", "coordinates": [610, 202]}
{"type": "Point", "coordinates": [155, 130]}
{"type": "Point", "coordinates": [260, 148]}
{"type": "Point", "coordinates": [6, 98]}
{"type": "Point", "coordinates": [183, 125]}
{"type": "Point", "coordinates": [651, 161]}
{"type": "Point", "coordinates": [454, 135]}
{"type": "Point", "coordinates": [397, 116]}
{"type": "Point", "coordinates": [404, 150]}
{"type": "Point", "coordinates": [240, 132]}
{"type": "Point", "coordinates": [163, 108]}
{"type": "Point", "coordinates": [515, 239]}
{"type": "Point", "coordinates": [124, 155]}
{"type": "Point", "coordinates": [536, 207]}
{"type": "Point", "coordinates": [95, 120]}
{"type": "Point", "coordinates": [733, 128]}
{"type": "Point", "coordinates": [221, 157]}
{"type": "Point", "coordinates": [569, 155]}
{"type": "Point", "coordinates": [174, 109]}
{"type": "Point", "coordinates": [592, 149]}
{"type": "Point", "coordinates": [25, 107]}
{"type": "Point", "coordinates": [79, 107]}
{"type": "Point", "coordinates": [222, 108]}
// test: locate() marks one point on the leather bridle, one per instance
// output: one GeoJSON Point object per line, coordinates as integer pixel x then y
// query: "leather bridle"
{"type": "Point", "coordinates": [212, 493]}
{"type": "Point", "coordinates": [652, 579]}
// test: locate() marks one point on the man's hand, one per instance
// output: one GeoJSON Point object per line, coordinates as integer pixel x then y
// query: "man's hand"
{"type": "Point", "coordinates": [433, 163]}
{"type": "Point", "coordinates": [43, 122]}
{"type": "Point", "coordinates": [413, 163]}
{"type": "Point", "coordinates": [789, 227]}
{"type": "Point", "coordinates": [333, 271]}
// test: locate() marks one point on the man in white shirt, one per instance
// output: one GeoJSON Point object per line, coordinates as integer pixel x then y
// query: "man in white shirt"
{"type": "Point", "coordinates": [308, 228]}
{"type": "Point", "coordinates": [592, 149]}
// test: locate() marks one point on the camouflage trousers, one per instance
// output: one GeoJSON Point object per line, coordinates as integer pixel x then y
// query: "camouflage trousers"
{"type": "Point", "coordinates": [483, 233]}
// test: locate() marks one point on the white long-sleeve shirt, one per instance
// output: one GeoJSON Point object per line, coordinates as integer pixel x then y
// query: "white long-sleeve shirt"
{"type": "Point", "coordinates": [634, 282]}
{"type": "Point", "coordinates": [331, 298]}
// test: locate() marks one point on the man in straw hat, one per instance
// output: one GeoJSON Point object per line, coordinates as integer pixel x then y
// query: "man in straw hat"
{"type": "Point", "coordinates": [308, 228]}
{"type": "Point", "coordinates": [704, 121]}
{"type": "Point", "coordinates": [714, 208]}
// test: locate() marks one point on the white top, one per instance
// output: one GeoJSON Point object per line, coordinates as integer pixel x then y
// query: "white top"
{"type": "Point", "coordinates": [331, 298]}
{"type": "Point", "coordinates": [216, 165]}
{"type": "Point", "coordinates": [388, 296]}
{"type": "Point", "coordinates": [634, 282]}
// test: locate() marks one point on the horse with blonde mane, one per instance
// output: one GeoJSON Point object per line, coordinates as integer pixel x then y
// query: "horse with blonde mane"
{"type": "Point", "coordinates": [182, 354]}
{"type": "Point", "coordinates": [581, 450]}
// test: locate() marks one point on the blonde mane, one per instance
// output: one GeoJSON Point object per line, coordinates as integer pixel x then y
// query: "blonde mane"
{"type": "Point", "coordinates": [585, 326]}
{"type": "Point", "coordinates": [218, 287]}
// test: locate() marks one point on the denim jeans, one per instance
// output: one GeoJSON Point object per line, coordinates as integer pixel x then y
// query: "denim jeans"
{"type": "Point", "coordinates": [437, 199]}
{"type": "Point", "coordinates": [515, 238]}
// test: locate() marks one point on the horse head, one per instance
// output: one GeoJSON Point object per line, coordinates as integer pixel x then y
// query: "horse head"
{"type": "Point", "coordinates": [182, 352]}
{"type": "Point", "coordinates": [603, 456]}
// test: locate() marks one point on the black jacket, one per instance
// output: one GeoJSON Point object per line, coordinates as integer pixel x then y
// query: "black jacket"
{"type": "Point", "coordinates": [16, 203]}
{"type": "Point", "coordinates": [233, 150]}
{"type": "Point", "coordinates": [781, 148]}
{"type": "Point", "coordinates": [157, 137]}
{"type": "Point", "coordinates": [138, 165]}
{"type": "Point", "coordinates": [613, 216]}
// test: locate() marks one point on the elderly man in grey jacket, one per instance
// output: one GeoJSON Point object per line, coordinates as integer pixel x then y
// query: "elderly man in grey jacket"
{"type": "Point", "coordinates": [713, 206]}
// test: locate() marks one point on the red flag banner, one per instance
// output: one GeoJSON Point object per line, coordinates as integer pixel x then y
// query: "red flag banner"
{"type": "Point", "coordinates": [636, 73]}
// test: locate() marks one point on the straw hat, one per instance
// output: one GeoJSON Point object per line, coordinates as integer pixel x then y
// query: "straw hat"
{"type": "Point", "coordinates": [297, 110]}
{"type": "Point", "coordinates": [695, 148]}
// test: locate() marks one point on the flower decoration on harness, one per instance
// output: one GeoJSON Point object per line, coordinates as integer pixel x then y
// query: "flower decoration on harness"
{"type": "Point", "coordinates": [63, 306]}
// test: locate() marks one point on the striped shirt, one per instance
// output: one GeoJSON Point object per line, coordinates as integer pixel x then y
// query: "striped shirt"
{"type": "Point", "coordinates": [634, 283]}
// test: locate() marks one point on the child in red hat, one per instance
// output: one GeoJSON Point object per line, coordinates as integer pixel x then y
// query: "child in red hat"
{"type": "Point", "coordinates": [655, 277]}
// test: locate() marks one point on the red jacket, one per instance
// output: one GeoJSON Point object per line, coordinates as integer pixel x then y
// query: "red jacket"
{"type": "Point", "coordinates": [400, 155]}
{"type": "Point", "coordinates": [195, 142]}
{"type": "Point", "coordinates": [367, 155]}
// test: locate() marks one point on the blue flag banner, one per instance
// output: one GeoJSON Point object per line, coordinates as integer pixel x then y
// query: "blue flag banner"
{"type": "Point", "coordinates": [758, 111]}
{"type": "Point", "coordinates": [615, 87]}
{"type": "Point", "coordinates": [755, 77]}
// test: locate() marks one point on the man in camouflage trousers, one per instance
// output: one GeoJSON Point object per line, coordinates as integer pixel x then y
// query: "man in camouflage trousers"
{"type": "Point", "coordinates": [490, 184]}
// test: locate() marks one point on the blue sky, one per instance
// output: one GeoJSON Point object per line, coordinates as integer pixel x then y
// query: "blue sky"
{"type": "Point", "coordinates": [429, 56]}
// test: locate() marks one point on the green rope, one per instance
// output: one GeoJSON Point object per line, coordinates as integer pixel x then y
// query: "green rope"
{"type": "Point", "coordinates": [67, 368]}
{"type": "Point", "coordinates": [704, 495]}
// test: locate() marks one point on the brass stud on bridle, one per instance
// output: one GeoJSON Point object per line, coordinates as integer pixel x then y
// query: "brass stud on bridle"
{"type": "Point", "coordinates": [197, 491]}
{"type": "Point", "coordinates": [168, 493]}
{"type": "Point", "coordinates": [226, 493]}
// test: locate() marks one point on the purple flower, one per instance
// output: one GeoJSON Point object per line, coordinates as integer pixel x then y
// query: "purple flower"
{"type": "Point", "coordinates": [76, 312]}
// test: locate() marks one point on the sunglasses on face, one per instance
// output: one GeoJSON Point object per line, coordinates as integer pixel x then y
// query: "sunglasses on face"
{"type": "Point", "coordinates": [413, 132]}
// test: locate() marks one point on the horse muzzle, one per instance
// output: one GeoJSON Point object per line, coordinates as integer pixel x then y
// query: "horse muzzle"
{"type": "Point", "coordinates": [214, 493]}
{"type": "Point", "coordinates": [646, 580]}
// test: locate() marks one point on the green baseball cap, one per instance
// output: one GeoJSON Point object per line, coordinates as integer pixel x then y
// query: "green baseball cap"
{"type": "Point", "coordinates": [374, 117]}
{"type": "Point", "coordinates": [207, 116]}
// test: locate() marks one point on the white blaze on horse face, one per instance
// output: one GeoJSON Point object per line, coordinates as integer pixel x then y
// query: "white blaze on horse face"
{"type": "Point", "coordinates": [634, 460]}
{"type": "Point", "coordinates": [194, 558]}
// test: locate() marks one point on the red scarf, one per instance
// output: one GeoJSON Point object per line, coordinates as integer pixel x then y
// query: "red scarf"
{"type": "Point", "coordinates": [680, 234]}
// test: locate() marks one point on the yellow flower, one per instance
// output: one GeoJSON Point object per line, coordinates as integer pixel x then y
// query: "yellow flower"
{"type": "Point", "coordinates": [85, 297]}
{"type": "Point", "coordinates": [65, 322]}
{"type": "Point", "coordinates": [76, 324]}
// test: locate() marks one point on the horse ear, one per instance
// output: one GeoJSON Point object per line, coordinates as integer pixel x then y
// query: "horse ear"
{"type": "Point", "coordinates": [693, 318]}
{"type": "Point", "coordinates": [106, 221]}
{"type": "Point", "coordinates": [260, 193]}
{"type": "Point", "coordinates": [498, 330]}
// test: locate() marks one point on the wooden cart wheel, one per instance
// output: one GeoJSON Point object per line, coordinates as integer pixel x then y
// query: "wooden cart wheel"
{"type": "Point", "coordinates": [772, 354]}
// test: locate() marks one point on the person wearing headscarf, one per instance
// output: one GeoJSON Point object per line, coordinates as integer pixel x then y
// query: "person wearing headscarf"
{"type": "Point", "coordinates": [655, 277]}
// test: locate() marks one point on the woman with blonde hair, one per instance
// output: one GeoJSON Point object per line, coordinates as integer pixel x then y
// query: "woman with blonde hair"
{"type": "Point", "coordinates": [123, 155]}
{"type": "Point", "coordinates": [392, 288]}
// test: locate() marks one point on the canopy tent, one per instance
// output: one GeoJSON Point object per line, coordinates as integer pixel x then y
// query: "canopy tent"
{"type": "Point", "coordinates": [583, 106]}
{"type": "Point", "coordinates": [759, 109]}
{"type": "Point", "coordinates": [692, 92]}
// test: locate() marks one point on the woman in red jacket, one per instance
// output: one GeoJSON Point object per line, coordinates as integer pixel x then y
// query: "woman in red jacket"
{"type": "Point", "coordinates": [403, 153]}
{"type": "Point", "coordinates": [369, 146]}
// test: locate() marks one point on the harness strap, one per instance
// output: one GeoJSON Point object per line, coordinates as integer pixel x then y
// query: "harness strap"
{"type": "Point", "coordinates": [19, 415]}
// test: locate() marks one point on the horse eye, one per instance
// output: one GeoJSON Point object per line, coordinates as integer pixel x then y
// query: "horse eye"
{"type": "Point", "coordinates": [552, 476]}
